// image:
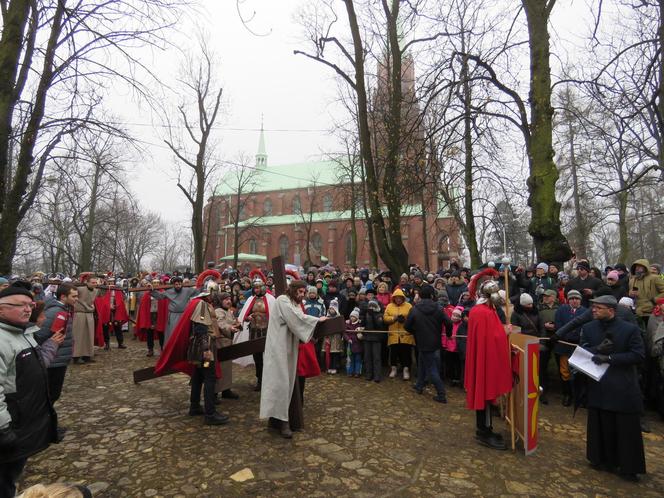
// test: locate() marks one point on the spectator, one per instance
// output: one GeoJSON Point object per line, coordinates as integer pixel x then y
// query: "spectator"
{"type": "Point", "coordinates": [645, 289]}
{"type": "Point", "coordinates": [23, 383]}
{"type": "Point", "coordinates": [585, 283]}
{"type": "Point", "coordinates": [399, 340]}
{"type": "Point", "coordinates": [425, 321]}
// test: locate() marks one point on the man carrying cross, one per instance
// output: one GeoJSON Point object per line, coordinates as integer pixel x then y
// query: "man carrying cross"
{"type": "Point", "coordinates": [287, 326]}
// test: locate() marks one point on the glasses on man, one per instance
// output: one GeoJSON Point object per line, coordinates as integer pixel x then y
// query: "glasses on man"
{"type": "Point", "coordinates": [24, 305]}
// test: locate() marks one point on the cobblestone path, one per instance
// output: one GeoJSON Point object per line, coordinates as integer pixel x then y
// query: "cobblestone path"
{"type": "Point", "coordinates": [362, 439]}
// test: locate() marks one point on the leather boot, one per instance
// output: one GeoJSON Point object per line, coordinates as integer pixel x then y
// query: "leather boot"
{"type": "Point", "coordinates": [285, 430]}
{"type": "Point", "coordinates": [567, 393]}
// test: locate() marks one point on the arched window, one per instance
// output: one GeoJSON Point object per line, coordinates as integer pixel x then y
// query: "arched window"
{"type": "Point", "coordinates": [317, 242]}
{"type": "Point", "coordinates": [327, 203]}
{"type": "Point", "coordinates": [297, 205]}
{"type": "Point", "coordinates": [253, 246]}
{"type": "Point", "coordinates": [283, 247]}
{"type": "Point", "coordinates": [349, 247]}
{"type": "Point", "coordinates": [267, 207]}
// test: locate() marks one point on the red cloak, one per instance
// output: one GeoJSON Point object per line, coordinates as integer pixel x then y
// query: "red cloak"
{"type": "Point", "coordinates": [174, 355]}
{"type": "Point", "coordinates": [488, 368]}
{"type": "Point", "coordinates": [144, 320]}
{"type": "Point", "coordinates": [307, 363]}
{"type": "Point", "coordinates": [103, 307]}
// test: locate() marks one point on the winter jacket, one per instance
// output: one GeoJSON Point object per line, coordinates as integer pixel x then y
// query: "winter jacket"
{"type": "Point", "coordinates": [373, 320]}
{"type": "Point", "coordinates": [53, 308]}
{"type": "Point", "coordinates": [618, 390]}
{"type": "Point", "coordinates": [350, 336]}
{"type": "Point", "coordinates": [537, 286]}
{"type": "Point", "coordinates": [390, 318]}
{"type": "Point", "coordinates": [454, 292]}
{"type": "Point", "coordinates": [527, 319]}
{"type": "Point", "coordinates": [25, 407]}
{"type": "Point", "coordinates": [425, 321]}
{"type": "Point", "coordinates": [589, 282]}
{"type": "Point", "coordinates": [314, 307]}
{"type": "Point", "coordinates": [564, 315]}
{"type": "Point", "coordinates": [650, 287]}
{"type": "Point", "coordinates": [570, 332]}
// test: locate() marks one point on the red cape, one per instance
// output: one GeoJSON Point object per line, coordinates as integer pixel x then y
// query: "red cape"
{"type": "Point", "coordinates": [103, 307]}
{"type": "Point", "coordinates": [143, 319]}
{"type": "Point", "coordinates": [307, 363]}
{"type": "Point", "coordinates": [488, 367]}
{"type": "Point", "coordinates": [174, 356]}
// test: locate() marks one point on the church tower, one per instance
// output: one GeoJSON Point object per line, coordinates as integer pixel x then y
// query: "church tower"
{"type": "Point", "coordinates": [261, 155]}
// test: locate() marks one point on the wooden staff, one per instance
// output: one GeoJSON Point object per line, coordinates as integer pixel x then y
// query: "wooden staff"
{"type": "Point", "coordinates": [510, 400]}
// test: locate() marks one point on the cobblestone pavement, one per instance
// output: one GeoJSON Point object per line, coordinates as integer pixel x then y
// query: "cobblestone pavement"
{"type": "Point", "coordinates": [362, 439]}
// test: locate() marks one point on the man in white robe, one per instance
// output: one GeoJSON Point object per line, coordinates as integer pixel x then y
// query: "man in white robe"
{"type": "Point", "coordinates": [287, 325]}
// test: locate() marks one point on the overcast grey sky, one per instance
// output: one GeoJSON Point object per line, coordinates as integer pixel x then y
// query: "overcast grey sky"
{"type": "Point", "coordinates": [260, 76]}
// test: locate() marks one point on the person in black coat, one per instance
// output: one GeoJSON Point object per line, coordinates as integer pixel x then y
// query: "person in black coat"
{"type": "Point", "coordinates": [373, 343]}
{"type": "Point", "coordinates": [425, 321]}
{"type": "Point", "coordinates": [614, 440]}
{"type": "Point", "coordinates": [586, 284]}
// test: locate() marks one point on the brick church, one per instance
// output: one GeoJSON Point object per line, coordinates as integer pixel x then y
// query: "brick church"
{"type": "Point", "coordinates": [307, 211]}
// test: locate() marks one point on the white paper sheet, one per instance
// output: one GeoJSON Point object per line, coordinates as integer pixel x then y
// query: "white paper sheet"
{"type": "Point", "coordinates": [582, 360]}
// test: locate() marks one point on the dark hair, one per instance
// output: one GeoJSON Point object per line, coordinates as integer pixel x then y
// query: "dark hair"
{"type": "Point", "coordinates": [64, 290]}
{"type": "Point", "coordinates": [293, 288]}
{"type": "Point", "coordinates": [39, 309]}
{"type": "Point", "coordinates": [426, 292]}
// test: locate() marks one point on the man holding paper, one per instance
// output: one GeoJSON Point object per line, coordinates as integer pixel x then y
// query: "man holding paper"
{"type": "Point", "coordinates": [614, 439]}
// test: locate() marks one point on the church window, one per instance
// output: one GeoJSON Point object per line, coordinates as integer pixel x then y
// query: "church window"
{"type": "Point", "coordinates": [349, 247]}
{"type": "Point", "coordinates": [267, 207]}
{"type": "Point", "coordinates": [317, 242]}
{"type": "Point", "coordinates": [297, 205]}
{"type": "Point", "coordinates": [253, 246]}
{"type": "Point", "coordinates": [327, 203]}
{"type": "Point", "coordinates": [283, 247]}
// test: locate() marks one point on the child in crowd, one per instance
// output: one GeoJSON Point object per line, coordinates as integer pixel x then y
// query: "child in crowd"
{"type": "Point", "coordinates": [333, 345]}
{"type": "Point", "coordinates": [354, 344]}
{"type": "Point", "coordinates": [452, 360]}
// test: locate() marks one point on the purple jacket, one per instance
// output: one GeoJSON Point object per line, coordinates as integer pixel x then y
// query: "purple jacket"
{"type": "Point", "coordinates": [351, 337]}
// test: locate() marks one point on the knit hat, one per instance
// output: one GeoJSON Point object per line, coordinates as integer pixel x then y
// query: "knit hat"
{"type": "Point", "coordinates": [613, 275]}
{"type": "Point", "coordinates": [458, 310]}
{"type": "Point", "coordinates": [563, 276]}
{"type": "Point", "coordinates": [426, 292]}
{"type": "Point", "coordinates": [373, 305]}
{"type": "Point", "coordinates": [355, 313]}
{"type": "Point", "coordinates": [363, 290]}
{"type": "Point", "coordinates": [573, 293]}
{"type": "Point", "coordinates": [626, 301]}
{"type": "Point", "coordinates": [525, 299]}
{"type": "Point", "coordinates": [550, 292]}
{"type": "Point", "coordinates": [583, 264]}
{"type": "Point", "coordinates": [543, 266]}
{"type": "Point", "coordinates": [18, 288]}
{"type": "Point", "coordinates": [312, 289]}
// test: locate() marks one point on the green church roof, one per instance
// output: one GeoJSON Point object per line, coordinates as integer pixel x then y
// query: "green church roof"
{"type": "Point", "coordinates": [291, 176]}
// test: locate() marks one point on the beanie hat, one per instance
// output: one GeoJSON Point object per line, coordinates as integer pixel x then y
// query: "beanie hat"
{"type": "Point", "coordinates": [525, 299]}
{"type": "Point", "coordinates": [311, 289]}
{"type": "Point", "coordinates": [18, 288]}
{"type": "Point", "coordinates": [626, 301]}
{"type": "Point", "coordinates": [613, 275]}
{"type": "Point", "coordinates": [373, 305]}
{"type": "Point", "coordinates": [573, 293]}
{"type": "Point", "coordinates": [355, 313]}
{"type": "Point", "coordinates": [458, 310]}
{"type": "Point", "coordinates": [583, 264]}
{"type": "Point", "coordinates": [543, 266]}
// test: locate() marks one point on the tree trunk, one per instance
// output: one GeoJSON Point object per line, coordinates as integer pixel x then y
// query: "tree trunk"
{"type": "Point", "coordinates": [353, 222]}
{"type": "Point", "coordinates": [11, 43]}
{"type": "Point", "coordinates": [580, 229]}
{"type": "Point", "coordinates": [425, 239]}
{"type": "Point", "coordinates": [85, 259]}
{"type": "Point", "coordinates": [544, 227]}
{"type": "Point", "coordinates": [11, 205]}
{"type": "Point", "coordinates": [622, 226]}
{"type": "Point", "coordinates": [388, 236]}
{"type": "Point", "coordinates": [469, 225]}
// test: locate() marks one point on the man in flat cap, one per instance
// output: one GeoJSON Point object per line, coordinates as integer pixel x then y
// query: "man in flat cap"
{"type": "Point", "coordinates": [614, 441]}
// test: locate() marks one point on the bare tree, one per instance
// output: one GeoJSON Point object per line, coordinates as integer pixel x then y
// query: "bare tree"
{"type": "Point", "coordinates": [54, 58]}
{"type": "Point", "coordinates": [196, 115]}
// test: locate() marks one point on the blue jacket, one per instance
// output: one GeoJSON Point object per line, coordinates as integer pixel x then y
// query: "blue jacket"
{"type": "Point", "coordinates": [53, 307]}
{"type": "Point", "coordinates": [618, 390]}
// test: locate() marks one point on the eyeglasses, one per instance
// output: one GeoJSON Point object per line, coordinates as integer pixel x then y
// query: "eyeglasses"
{"type": "Point", "coordinates": [574, 298]}
{"type": "Point", "coordinates": [24, 305]}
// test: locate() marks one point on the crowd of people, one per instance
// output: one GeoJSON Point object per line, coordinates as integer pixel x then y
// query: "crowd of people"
{"type": "Point", "coordinates": [413, 326]}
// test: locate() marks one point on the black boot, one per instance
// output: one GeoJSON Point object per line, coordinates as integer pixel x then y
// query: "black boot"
{"type": "Point", "coordinates": [216, 419]}
{"type": "Point", "coordinates": [196, 410]}
{"type": "Point", "coordinates": [228, 394]}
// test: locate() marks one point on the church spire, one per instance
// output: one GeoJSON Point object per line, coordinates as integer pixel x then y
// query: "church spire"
{"type": "Point", "coordinates": [261, 155]}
